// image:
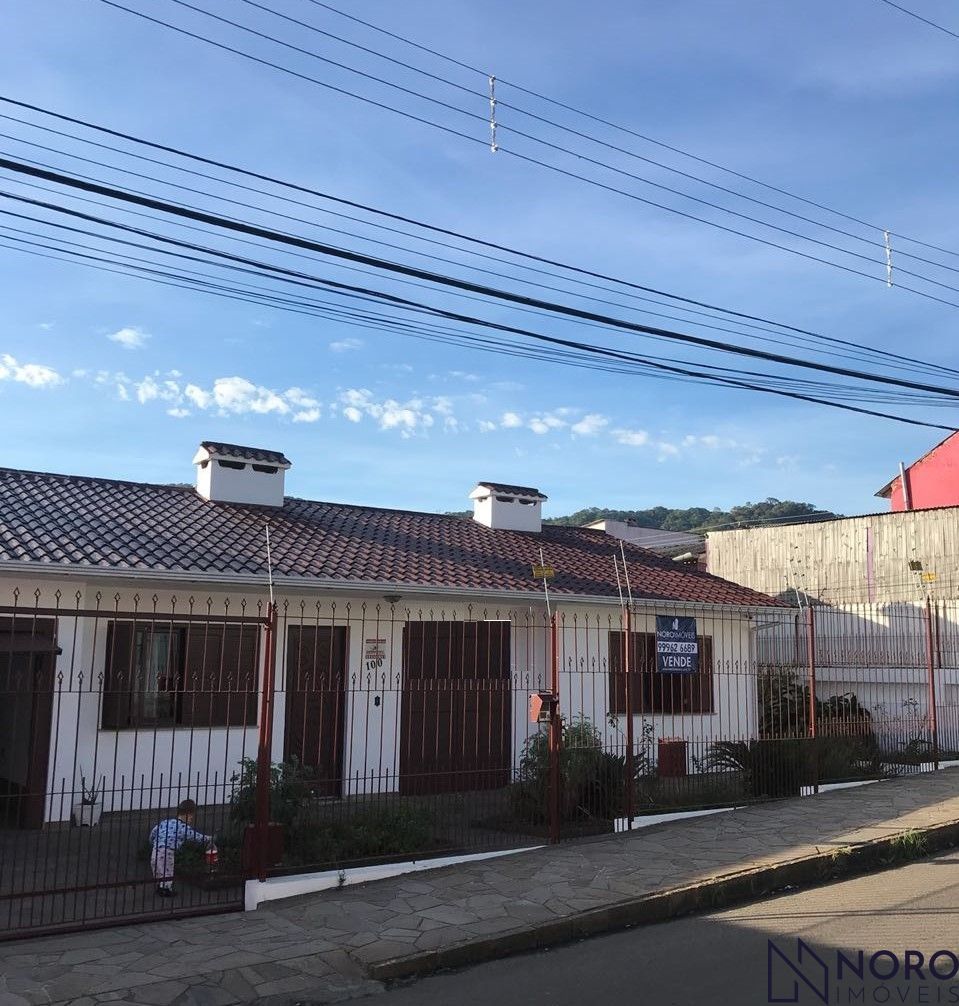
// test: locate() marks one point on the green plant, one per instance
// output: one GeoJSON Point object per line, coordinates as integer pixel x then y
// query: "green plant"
{"type": "Point", "coordinates": [771, 768]}
{"type": "Point", "coordinates": [370, 833]}
{"type": "Point", "coordinates": [289, 791]}
{"type": "Point", "coordinates": [592, 780]}
{"type": "Point", "coordinates": [911, 844]}
{"type": "Point", "coordinates": [90, 795]}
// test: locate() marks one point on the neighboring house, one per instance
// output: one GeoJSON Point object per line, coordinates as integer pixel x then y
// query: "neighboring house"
{"type": "Point", "coordinates": [876, 558]}
{"type": "Point", "coordinates": [133, 635]}
{"type": "Point", "coordinates": [932, 481]}
{"type": "Point", "coordinates": [883, 592]}
{"type": "Point", "coordinates": [669, 543]}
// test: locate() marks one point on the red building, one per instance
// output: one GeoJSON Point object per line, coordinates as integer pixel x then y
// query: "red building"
{"type": "Point", "coordinates": [931, 481]}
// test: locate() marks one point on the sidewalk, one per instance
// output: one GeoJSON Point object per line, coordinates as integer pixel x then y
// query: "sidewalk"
{"type": "Point", "coordinates": [340, 945]}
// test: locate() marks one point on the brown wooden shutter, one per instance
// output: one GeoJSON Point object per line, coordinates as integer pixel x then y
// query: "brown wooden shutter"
{"type": "Point", "coordinates": [642, 668]}
{"type": "Point", "coordinates": [118, 678]}
{"type": "Point", "coordinates": [220, 675]}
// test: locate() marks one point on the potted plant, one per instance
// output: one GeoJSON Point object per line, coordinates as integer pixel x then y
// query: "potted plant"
{"type": "Point", "coordinates": [86, 813]}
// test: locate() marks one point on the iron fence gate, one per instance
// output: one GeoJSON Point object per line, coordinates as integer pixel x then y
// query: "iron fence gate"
{"type": "Point", "coordinates": [112, 715]}
{"type": "Point", "coordinates": [325, 733]}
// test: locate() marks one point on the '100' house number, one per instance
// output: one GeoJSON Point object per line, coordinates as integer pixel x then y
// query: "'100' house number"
{"type": "Point", "coordinates": [374, 654]}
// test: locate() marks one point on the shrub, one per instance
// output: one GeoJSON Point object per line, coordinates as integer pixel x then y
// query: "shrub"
{"type": "Point", "coordinates": [592, 780]}
{"type": "Point", "coordinates": [371, 833]}
{"type": "Point", "coordinates": [771, 768]}
{"type": "Point", "coordinates": [289, 791]}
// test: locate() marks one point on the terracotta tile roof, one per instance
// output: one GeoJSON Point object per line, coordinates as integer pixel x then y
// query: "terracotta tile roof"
{"type": "Point", "coordinates": [247, 453]}
{"type": "Point", "coordinates": [501, 487]}
{"type": "Point", "coordinates": [55, 520]}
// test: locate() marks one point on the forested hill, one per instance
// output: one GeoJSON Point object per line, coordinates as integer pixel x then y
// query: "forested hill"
{"type": "Point", "coordinates": [697, 518]}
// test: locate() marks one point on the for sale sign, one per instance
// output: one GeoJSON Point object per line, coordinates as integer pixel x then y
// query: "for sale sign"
{"type": "Point", "coordinates": [677, 645]}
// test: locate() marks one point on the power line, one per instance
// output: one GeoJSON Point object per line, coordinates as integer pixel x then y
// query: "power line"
{"type": "Point", "coordinates": [875, 242]}
{"type": "Point", "coordinates": [452, 282]}
{"type": "Point", "coordinates": [919, 17]}
{"type": "Point", "coordinates": [819, 388]}
{"type": "Point", "coordinates": [393, 299]}
{"type": "Point", "coordinates": [625, 129]}
{"type": "Point", "coordinates": [245, 172]}
{"type": "Point", "coordinates": [553, 167]}
{"type": "Point", "coordinates": [867, 355]}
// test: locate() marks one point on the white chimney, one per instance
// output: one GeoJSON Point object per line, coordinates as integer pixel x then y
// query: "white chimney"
{"type": "Point", "coordinates": [228, 473]}
{"type": "Point", "coordinates": [507, 508]}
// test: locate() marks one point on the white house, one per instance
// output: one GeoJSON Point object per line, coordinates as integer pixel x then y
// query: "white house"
{"type": "Point", "coordinates": [134, 631]}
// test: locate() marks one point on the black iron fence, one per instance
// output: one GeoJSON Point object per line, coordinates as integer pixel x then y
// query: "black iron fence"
{"type": "Point", "coordinates": [327, 734]}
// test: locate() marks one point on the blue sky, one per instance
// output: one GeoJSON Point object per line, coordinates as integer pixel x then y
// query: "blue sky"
{"type": "Point", "coordinates": [849, 104]}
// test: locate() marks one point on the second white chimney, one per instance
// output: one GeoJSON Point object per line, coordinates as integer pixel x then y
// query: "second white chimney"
{"type": "Point", "coordinates": [508, 508]}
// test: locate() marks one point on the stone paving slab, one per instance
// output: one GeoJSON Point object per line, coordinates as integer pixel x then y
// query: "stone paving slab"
{"type": "Point", "coordinates": [331, 946]}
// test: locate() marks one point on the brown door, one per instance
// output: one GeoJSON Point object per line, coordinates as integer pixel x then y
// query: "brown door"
{"type": "Point", "coordinates": [315, 700]}
{"type": "Point", "coordinates": [456, 708]}
{"type": "Point", "coordinates": [27, 658]}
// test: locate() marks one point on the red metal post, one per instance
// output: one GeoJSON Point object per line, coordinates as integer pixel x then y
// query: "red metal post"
{"type": "Point", "coordinates": [931, 678]}
{"type": "Point", "coordinates": [628, 695]}
{"type": "Point", "coordinates": [264, 758]}
{"type": "Point", "coordinates": [555, 739]}
{"type": "Point", "coordinates": [812, 725]}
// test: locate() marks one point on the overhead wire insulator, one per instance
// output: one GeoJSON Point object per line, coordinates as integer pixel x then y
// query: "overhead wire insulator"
{"type": "Point", "coordinates": [493, 145]}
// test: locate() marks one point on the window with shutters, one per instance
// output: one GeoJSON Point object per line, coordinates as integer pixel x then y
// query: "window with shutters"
{"type": "Point", "coordinates": [651, 691]}
{"type": "Point", "coordinates": [169, 675]}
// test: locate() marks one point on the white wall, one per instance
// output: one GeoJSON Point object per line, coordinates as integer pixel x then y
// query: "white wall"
{"type": "Point", "coordinates": [155, 768]}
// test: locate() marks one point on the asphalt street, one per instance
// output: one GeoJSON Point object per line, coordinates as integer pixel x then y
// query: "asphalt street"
{"type": "Point", "coordinates": [726, 957]}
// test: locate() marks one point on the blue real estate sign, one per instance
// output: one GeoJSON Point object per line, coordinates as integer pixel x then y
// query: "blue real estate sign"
{"type": "Point", "coordinates": [677, 645]}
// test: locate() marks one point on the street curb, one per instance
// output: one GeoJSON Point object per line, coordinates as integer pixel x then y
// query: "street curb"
{"type": "Point", "coordinates": [718, 892]}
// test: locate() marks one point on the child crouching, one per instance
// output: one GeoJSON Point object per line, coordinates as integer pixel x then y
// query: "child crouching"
{"type": "Point", "coordinates": [166, 838]}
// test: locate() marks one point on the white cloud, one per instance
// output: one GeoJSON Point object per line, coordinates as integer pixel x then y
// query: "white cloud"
{"type": "Point", "coordinates": [147, 390]}
{"type": "Point", "coordinates": [631, 438]}
{"type": "Point", "coordinates": [237, 395]}
{"type": "Point", "coordinates": [548, 421]}
{"type": "Point", "coordinates": [306, 416]}
{"type": "Point", "coordinates": [410, 417]}
{"type": "Point", "coordinates": [129, 338]}
{"type": "Point", "coordinates": [485, 426]}
{"type": "Point", "coordinates": [122, 393]}
{"type": "Point", "coordinates": [297, 396]}
{"type": "Point", "coordinates": [178, 413]}
{"type": "Point", "coordinates": [510, 421]}
{"type": "Point", "coordinates": [200, 398]}
{"type": "Point", "coordinates": [34, 375]}
{"type": "Point", "coordinates": [589, 425]}
{"type": "Point", "coordinates": [346, 345]}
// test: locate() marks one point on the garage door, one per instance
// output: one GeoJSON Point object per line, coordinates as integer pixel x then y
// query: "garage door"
{"type": "Point", "coordinates": [455, 719]}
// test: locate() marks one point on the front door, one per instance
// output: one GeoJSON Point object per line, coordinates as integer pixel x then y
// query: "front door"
{"type": "Point", "coordinates": [315, 700]}
{"type": "Point", "coordinates": [26, 709]}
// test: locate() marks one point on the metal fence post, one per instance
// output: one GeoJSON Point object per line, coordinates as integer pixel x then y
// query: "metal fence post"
{"type": "Point", "coordinates": [264, 758]}
{"type": "Point", "coordinates": [931, 680]}
{"type": "Point", "coordinates": [813, 725]}
{"type": "Point", "coordinates": [628, 696]}
{"type": "Point", "coordinates": [555, 739]}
